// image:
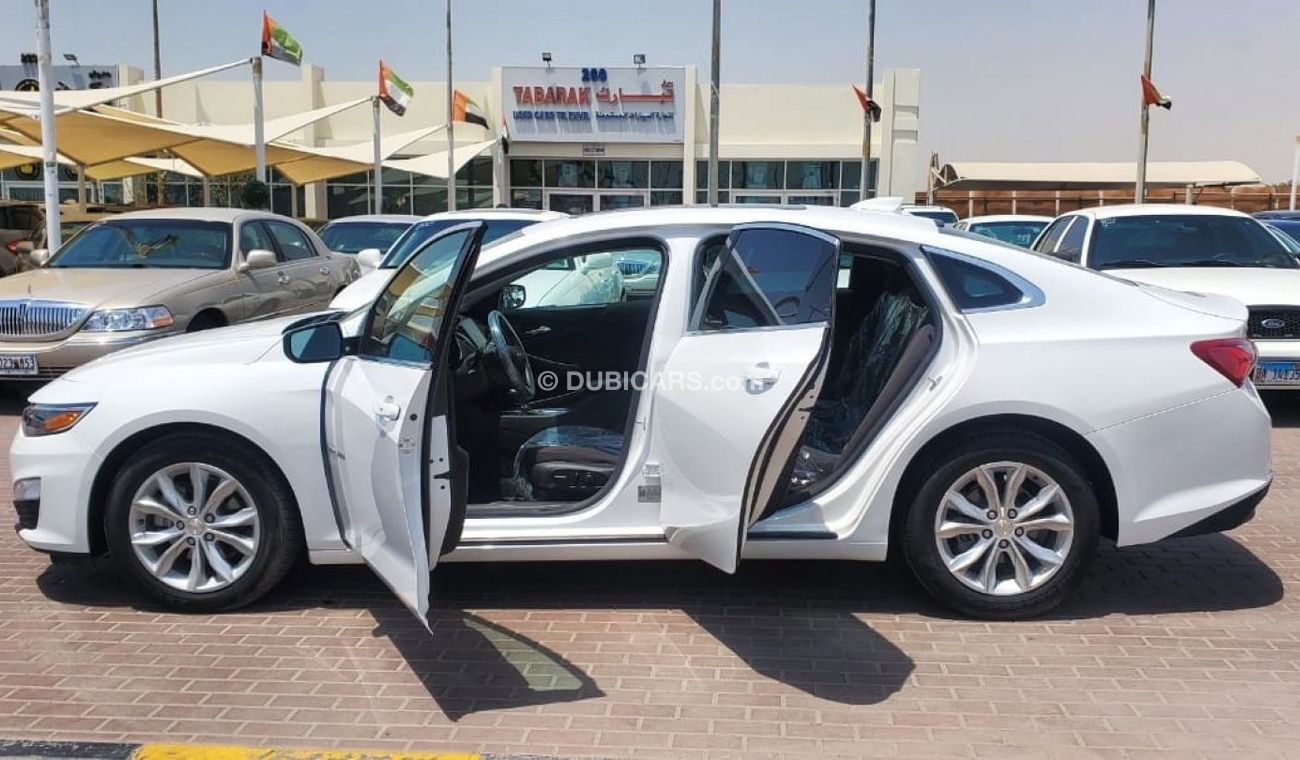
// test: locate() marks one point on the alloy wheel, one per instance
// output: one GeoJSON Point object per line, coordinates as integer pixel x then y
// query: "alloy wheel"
{"type": "Point", "coordinates": [194, 527]}
{"type": "Point", "coordinates": [1004, 528]}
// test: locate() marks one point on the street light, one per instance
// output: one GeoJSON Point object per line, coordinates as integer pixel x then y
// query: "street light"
{"type": "Point", "coordinates": [71, 57]}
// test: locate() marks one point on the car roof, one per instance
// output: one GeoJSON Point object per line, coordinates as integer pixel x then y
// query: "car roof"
{"type": "Point", "coordinates": [911, 207]}
{"type": "Point", "coordinates": [1155, 209]}
{"type": "Point", "coordinates": [202, 214]}
{"type": "Point", "coordinates": [991, 218]}
{"type": "Point", "coordinates": [486, 214]}
{"type": "Point", "coordinates": [359, 218]}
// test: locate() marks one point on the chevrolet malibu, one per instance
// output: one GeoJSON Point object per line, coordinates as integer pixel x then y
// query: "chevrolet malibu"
{"type": "Point", "coordinates": [949, 399]}
{"type": "Point", "coordinates": [139, 276]}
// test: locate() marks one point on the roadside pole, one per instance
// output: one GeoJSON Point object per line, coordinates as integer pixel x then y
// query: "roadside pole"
{"type": "Point", "coordinates": [49, 146]}
{"type": "Point", "coordinates": [451, 138]}
{"type": "Point", "coordinates": [259, 129]}
{"type": "Point", "coordinates": [1295, 171]}
{"type": "Point", "coordinates": [866, 112]}
{"type": "Point", "coordinates": [1140, 192]}
{"type": "Point", "coordinates": [379, 160]}
{"type": "Point", "coordinates": [714, 79]}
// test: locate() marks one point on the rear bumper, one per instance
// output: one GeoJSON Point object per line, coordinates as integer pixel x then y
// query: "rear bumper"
{"type": "Point", "coordinates": [1182, 468]}
{"type": "Point", "coordinates": [1231, 516]}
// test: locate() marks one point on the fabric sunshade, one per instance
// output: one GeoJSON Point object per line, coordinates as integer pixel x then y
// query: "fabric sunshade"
{"type": "Point", "coordinates": [435, 164]}
{"type": "Point", "coordinates": [341, 160]}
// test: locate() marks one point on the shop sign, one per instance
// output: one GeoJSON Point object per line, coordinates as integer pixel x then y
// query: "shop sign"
{"type": "Point", "coordinates": [585, 104]}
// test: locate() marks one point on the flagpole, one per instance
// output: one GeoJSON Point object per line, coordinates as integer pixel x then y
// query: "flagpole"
{"type": "Point", "coordinates": [451, 142]}
{"type": "Point", "coordinates": [1295, 171]}
{"type": "Point", "coordinates": [714, 84]}
{"type": "Point", "coordinates": [1140, 191]}
{"type": "Point", "coordinates": [49, 146]}
{"type": "Point", "coordinates": [866, 112]}
{"type": "Point", "coordinates": [379, 159]}
{"type": "Point", "coordinates": [259, 130]}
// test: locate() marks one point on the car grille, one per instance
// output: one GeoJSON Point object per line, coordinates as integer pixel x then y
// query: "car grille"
{"type": "Point", "coordinates": [33, 319]}
{"type": "Point", "coordinates": [28, 514]}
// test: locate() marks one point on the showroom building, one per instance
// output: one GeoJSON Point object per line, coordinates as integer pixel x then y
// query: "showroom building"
{"type": "Point", "coordinates": [577, 139]}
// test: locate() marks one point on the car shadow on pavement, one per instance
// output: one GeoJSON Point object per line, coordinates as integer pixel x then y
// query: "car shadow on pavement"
{"type": "Point", "coordinates": [1283, 407]}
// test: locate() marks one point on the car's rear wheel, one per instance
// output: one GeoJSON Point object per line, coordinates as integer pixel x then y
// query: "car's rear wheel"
{"type": "Point", "coordinates": [1003, 526]}
{"type": "Point", "coordinates": [201, 523]}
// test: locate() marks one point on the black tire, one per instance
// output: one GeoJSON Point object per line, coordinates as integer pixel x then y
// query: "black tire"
{"type": "Point", "coordinates": [944, 470]}
{"type": "Point", "coordinates": [280, 538]}
{"type": "Point", "coordinates": [204, 321]}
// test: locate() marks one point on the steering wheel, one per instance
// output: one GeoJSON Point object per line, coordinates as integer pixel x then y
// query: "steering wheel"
{"type": "Point", "coordinates": [508, 349]}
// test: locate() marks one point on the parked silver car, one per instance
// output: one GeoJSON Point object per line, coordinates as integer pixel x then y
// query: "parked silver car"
{"type": "Point", "coordinates": [144, 275]}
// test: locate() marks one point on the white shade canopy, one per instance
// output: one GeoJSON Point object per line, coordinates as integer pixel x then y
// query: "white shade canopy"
{"type": "Point", "coordinates": [341, 160]}
{"type": "Point", "coordinates": [15, 103]}
{"type": "Point", "coordinates": [435, 164]}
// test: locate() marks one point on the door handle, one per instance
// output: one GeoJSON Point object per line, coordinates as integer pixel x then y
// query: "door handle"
{"type": "Point", "coordinates": [325, 271]}
{"type": "Point", "coordinates": [761, 376]}
{"type": "Point", "coordinates": [539, 330]}
{"type": "Point", "coordinates": [282, 278]}
{"type": "Point", "coordinates": [388, 410]}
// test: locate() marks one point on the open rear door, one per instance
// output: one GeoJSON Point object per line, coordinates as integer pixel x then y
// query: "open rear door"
{"type": "Point", "coordinates": [386, 420]}
{"type": "Point", "coordinates": [737, 389]}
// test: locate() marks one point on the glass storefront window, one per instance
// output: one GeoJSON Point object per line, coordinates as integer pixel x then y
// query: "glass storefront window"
{"type": "Point", "coordinates": [702, 174]}
{"type": "Point", "coordinates": [429, 199]}
{"type": "Point", "coordinates": [477, 172]}
{"type": "Point", "coordinates": [666, 174]}
{"type": "Point", "coordinates": [526, 199]}
{"type": "Point", "coordinates": [347, 200]}
{"type": "Point", "coordinates": [628, 174]}
{"type": "Point", "coordinates": [525, 172]}
{"type": "Point", "coordinates": [757, 175]}
{"type": "Point", "coordinates": [666, 197]}
{"type": "Point", "coordinates": [702, 197]}
{"type": "Point", "coordinates": [812, 175]}
{"type": "Point", "coordinates": [570, 173]}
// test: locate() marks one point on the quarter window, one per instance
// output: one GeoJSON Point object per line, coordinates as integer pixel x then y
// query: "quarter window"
{"type": "Point", "coordinates": [974, 287]}
{"type": "Point", "coordinates": [294, 246]}
{"type": "Point", "coordinates": [1071, 247]}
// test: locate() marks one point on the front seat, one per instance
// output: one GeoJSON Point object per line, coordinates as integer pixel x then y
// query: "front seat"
{"type": "Point", "coordinates": [565, 463]}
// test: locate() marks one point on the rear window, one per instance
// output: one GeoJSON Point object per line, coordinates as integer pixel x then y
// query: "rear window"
{"type": "Point", "coordinates": [1015, 233]}
{"type": "Point", "coordinates": [1174, 240]}
{"type": "Point", "coordinates": [353, 237]}
{"type": "Point", "coordinates": [419, 232]}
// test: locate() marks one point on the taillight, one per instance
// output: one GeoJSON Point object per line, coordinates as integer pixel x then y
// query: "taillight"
{"type": "Point", "coordinates": [12, 246]}
{"type": "Point", "coordinates": [1233, 358]}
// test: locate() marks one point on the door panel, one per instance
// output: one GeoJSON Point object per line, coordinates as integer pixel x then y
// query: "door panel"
{"type": "Point", "coordinates": [734, 396]}
{"type": "Point", "coordinates": [387, 421]}
{"type": "Point", "coordinates": [265, 294]}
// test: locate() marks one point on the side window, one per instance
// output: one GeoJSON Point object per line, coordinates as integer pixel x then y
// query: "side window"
{"type": "Point", "coordinates": [22, 218]}
{"type": "Point", "coordinates": [1071, 247]}
{"type": "Point", "coordinates": [253, 236]}
{"type": "Point", "coordinates": [1046, 242]}
{"type": "Point", "coordinates": [768, 277]}
{"type": "Point", "coordinates": [592, 278]}
{"type": "Point", "coordinates": [294, 246]}
{"type": "Point", "coordinates": [974, 287]}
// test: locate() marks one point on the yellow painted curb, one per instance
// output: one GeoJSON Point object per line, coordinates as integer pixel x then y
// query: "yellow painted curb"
{"type": "Point", "coordinates": [229, 752]}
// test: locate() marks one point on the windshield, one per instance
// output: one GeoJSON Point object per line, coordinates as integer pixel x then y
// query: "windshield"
{"type": "Point", "coordinates": [1015, 233]}
{"type": "Point", "coordinates": [1184, 240]}
{"type": "Point", "coordinates": [942, 217]}
{"type": "Point", "coordinates": [148, 243]}
{"type": "Point", "coordinates": [351, 237]}
{"type": "Point", "coordinates": [1288, 234]}
{"type": "Point", "coordinates": [419, 232]}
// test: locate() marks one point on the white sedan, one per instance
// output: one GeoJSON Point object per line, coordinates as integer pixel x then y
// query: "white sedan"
{"type": "Point", "coordinates": [1200, 249]}
{"type": "Point", "coordinates": [988, 425]}
{"type": "Point", "coordinates": [1016, 229]}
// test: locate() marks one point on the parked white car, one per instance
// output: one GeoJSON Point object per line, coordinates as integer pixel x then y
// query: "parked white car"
{"type": "Point", "coordinates": [371, 233]}
{"type": "Point", "coordinates": [378, 266]}
{"type": "Point", "coordinates": [1016, 229]}
{"type": "Point", "coordinates": [1200, 249]}
{"type": "Point", "coordinates": [958, 402]}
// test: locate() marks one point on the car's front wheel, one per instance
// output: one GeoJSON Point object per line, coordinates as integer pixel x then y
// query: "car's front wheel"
{"type": "Point", "coordinates": [201, 523]}
{"type": "Point", "coordinates": [1002, 526]}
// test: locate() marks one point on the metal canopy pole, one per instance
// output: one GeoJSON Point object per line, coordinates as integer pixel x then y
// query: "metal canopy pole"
{"type": "Point", "coordinates": [714, 79]}
{"type": "Point", "coordinates": [49, 146]}
{"type": "Point", "coordinates": [1295, 171]}
{"type": "Point", "coordinates": [866, 112]}
{"type": "Point", "coordinates": [1140, 192]}
{"type": "Point", "coordinates": [379, 161]}
{"type": "Point", "coordinates": [451, 142]}
{"type": "Point", "coordinates": [259, 128]}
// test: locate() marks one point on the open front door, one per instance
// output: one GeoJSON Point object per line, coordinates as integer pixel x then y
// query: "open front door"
{"type": "Point", "coordinates": [386, 421]}
{"type": "Point", "coordinates": [737, 389]}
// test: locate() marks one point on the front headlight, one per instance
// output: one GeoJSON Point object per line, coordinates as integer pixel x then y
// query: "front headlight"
{"type": "Point", "coordinates": [48, 419]}
{"type": "Point", "coordinates": [118, 320]}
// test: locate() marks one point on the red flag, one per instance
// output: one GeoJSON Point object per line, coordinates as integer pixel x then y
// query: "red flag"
{"type": "Point", "coordinates": [868, 105]}
{"type": "Point", "coordinates": [1152, 97]}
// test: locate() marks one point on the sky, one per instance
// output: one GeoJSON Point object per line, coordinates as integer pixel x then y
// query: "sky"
{"type": "Point", "coordinates": [1001, 80]}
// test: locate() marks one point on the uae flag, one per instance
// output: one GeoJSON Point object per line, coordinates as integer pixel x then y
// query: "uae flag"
{"type": "Point", "coordinates": [277, 43]}
{"type": "Point", "coordinates": [1152, 97]}
{"type": "Point", "coordinates": [868, 105]}
{"type": "Point", "coordinates": [394, 90]}
{"type": "Point", "coordinates": [466, 110]}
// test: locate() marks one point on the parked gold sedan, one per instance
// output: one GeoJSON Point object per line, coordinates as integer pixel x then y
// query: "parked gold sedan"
{"type": "Point", "coordinates": [144, 275]}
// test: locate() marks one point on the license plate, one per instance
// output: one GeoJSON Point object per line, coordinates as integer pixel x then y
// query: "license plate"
{"type": "Point", "coordinates": [1277, 373]}
{"type": "Point", "coordinates": [18, 364]}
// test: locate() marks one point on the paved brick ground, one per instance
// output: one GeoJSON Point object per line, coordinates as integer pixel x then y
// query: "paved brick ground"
{"type": "Point", "coordinates": [1190, 649]}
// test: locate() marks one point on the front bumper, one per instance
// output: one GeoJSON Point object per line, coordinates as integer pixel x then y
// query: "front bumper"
{"type": "Point", "coordinates": [54, 358]}
{"type": "Point", "coordinates": [66, 466]}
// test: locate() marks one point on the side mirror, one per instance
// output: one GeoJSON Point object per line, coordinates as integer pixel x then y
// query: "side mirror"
{"type": "Point", "coordinates": [258, 258]}
{"type": "Point", "coordinates": [369, 259]}
{"type": "Point", "coordinates": [39, 256]}
{"type": "Point", "coordinates": [322, 342]}
{"type": "Point", "coordinates": [596, 261]}
{"type": "Point", "coordinates": [513, 296]}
